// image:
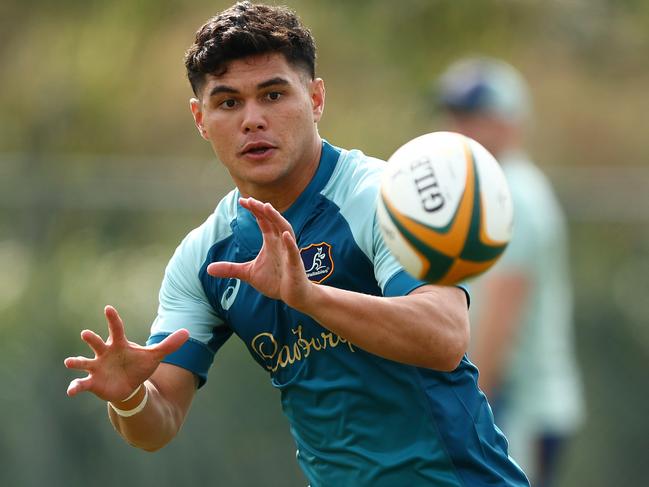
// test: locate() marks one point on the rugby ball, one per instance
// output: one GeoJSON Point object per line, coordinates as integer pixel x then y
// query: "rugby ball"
{"type": "Point", "coordinates": [445, 210]}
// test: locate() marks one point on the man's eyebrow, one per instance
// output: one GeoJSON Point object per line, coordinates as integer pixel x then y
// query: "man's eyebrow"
{"type": "Point", "coordinates": [218, 89]}
{"type": "Point", "coordinates": [223, 89]}
{"type": "Point", "coordinates": [272, 82]}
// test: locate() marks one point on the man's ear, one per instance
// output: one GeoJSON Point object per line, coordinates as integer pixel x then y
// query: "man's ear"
{"type": "Point", "coordinates": [317, 98]}
{"type": "Point", "coordinates": [197, 112]}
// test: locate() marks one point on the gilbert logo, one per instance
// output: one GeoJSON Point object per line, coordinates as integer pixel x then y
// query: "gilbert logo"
{"type": "Point", "coordinates": [427, 185]}
{"type": "Point", "coordinates": [317, 260]}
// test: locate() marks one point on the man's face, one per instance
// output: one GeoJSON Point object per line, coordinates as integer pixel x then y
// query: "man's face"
{"type": "Point", "coordinates": [260, 117]}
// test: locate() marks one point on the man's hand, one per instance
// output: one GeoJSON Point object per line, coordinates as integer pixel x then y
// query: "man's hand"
{"type": "Point", "coordinates": [277, 271]}
{"type": "Point", "coordinates": [119, 366]}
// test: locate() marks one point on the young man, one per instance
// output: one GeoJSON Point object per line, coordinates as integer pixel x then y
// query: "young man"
{"type": "Point", "coordinates": [369, 361]}
{"type": "Point", "coordinates": [522, 338]}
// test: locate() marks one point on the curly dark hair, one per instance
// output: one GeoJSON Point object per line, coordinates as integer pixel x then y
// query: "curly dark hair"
{"type": "Point", "coordinates": [248, 29]}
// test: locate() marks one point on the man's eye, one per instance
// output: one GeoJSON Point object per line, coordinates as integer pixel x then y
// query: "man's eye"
{"type": "Point", "coordinates": [229, 103]}
{"type": "Point", "coordinates": [274, 95]}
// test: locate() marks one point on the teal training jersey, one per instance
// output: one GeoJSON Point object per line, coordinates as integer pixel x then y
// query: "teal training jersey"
{"type": "Point", "coordinates": [357, 419]}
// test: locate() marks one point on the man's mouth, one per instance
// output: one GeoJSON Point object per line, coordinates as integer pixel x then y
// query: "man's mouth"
{"type": "Point", "coordinates": [257, 148]}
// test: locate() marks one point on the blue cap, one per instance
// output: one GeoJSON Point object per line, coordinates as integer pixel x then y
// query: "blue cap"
{"type": "Point", "coordinates": [485, 85]}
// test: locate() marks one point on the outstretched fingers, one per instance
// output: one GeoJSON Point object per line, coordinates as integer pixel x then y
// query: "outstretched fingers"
{"type": "Point", "coordinates": [277, 219]}
{"type": "Point", "coordinates": [94, 341]}
{"type": "Point", "coordinates": [80, 363]}
{"type": "Point", "coordinates": [292, 251]}
{"type": "Point", "coordinates": [172, 343]}
{"type": "Point", "coordinates": [229, 269]}
{"type": "Point", "coordinates": [257, 209]}
{"type": "Point", "coordinates": [79, 385]}
{"type": "Point", "coordinates": [269, 219]}
{"type": "Point", "coordinates": [297, 286]}
{"type": "Point", "coordinates": [115, 325]}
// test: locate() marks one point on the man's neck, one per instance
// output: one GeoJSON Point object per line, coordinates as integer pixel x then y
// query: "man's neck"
{"type": "Point", "coordinates": [284, 193]}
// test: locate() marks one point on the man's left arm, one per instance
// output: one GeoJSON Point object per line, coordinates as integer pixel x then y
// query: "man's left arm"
{"type": "Point", "coordinates": [429, 327]}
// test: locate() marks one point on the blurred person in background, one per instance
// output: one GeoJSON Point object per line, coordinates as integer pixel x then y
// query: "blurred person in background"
{"type": "Point", "coordinates": [522, 326]}
{"type": "Point", "coordinates": [370, 362]}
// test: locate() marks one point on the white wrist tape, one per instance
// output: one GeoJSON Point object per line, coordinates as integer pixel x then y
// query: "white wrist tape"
{"type": "Point", "coordinates": [137, 389]}
{"type": "Point", "coordinates": [136, 409]}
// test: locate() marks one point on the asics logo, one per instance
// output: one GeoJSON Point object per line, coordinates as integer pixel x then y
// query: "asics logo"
{"type": "Point", "coordinates": [230, 294]}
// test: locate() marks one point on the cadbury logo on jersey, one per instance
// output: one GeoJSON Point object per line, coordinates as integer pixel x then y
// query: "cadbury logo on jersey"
{"type": "Point", "coordinates": [317, 261]}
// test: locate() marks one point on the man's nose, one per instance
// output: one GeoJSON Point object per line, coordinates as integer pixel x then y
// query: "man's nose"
{"type": "Point", "coordinates": [253, 118]}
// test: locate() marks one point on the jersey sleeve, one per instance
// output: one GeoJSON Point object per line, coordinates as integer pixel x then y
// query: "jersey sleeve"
{"type": "Point", "coordinates": [184, 304]}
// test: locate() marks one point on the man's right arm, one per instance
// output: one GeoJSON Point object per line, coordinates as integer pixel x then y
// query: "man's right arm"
{"type": "Point", "coordinates": [148, 400]}
{"type": "Point", "coordinates": [169, 393]}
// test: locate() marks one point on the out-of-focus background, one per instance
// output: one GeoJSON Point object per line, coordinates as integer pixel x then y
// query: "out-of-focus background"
{"type": "Point", "coordinates": [102, 173]}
